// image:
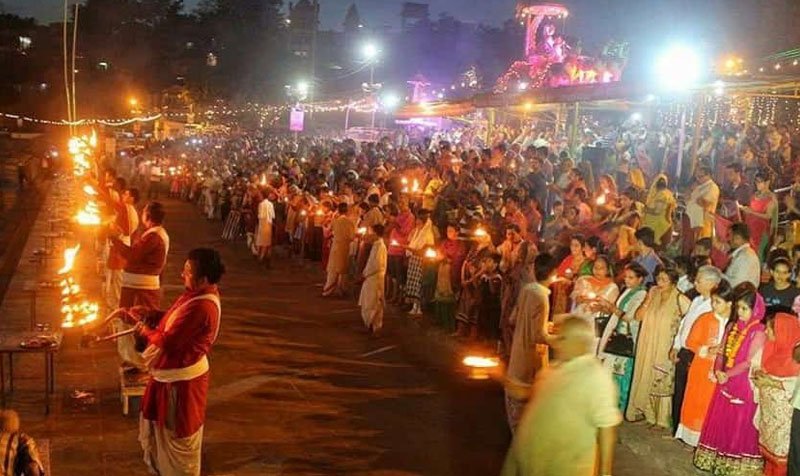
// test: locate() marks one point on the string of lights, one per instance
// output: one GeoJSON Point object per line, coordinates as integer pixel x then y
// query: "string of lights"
{"type": "Point", "coordinates": [82, 122]}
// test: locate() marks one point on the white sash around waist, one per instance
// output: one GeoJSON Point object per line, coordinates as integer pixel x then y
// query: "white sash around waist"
{"type": "Point", "coordinates": [180, 375]}
{"type": "Point", "coordinates": [140, 281]}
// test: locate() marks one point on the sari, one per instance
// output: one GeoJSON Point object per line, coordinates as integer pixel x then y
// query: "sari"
{"type": "Point", "coordinates": [774, 415]}
{"type": "Point", "coordinates": [729, 440]}
{"type": "Point", "coordinates": [659, 208]}
{"type": "Point", "coordinates": [760, 227]}
{"type": "Point", "coordinates": [651, 386]}
{"type": "Point", "coordinates": [621, 366]}
{"type": "Point", "coordinates": [705, 332]}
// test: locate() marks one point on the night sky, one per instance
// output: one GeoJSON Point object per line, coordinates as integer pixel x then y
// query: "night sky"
{"type": "Point", "coordinates": [374, 13]}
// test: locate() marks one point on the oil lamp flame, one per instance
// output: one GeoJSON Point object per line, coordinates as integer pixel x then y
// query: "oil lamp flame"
{"type": "Point", "coordinates": [89, 190]}
{"type": "Point", "coordinates": [480, 362]}
{"type": "Point", "coordinates": [431, 253]}
{"type": "Point", "coordinates": [69, 259]}
{"type": "Point", "coordinates": [480, 233]}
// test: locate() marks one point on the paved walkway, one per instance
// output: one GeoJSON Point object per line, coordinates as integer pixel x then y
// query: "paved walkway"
{"type": "Point", "coordinates": [296, 387]}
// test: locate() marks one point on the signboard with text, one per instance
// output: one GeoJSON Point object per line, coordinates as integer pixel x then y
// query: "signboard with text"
{"type": "Point", "coordinates": [296, 120]}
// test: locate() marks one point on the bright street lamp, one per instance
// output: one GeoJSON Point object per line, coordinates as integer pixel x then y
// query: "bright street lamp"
{"type": "Point", "coordinates": [370, 51]}
{"type": "Point", "coordinates": [390, 101]}
{"type": "Point", "coordinates": [679, 68]}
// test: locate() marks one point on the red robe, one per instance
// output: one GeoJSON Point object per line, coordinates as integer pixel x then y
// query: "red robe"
{"type": "Point", "coordinates": [147, 257]}
{"type": "Point", "coordinates": [188, 339]}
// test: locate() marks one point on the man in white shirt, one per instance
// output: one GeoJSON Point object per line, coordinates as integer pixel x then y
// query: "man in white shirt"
{"type": "Point", "coordinates": [702, 203]}
{"type": "Point", "coordinates": [706, 280]}
{"type": "Point", "coordinates": [266, 215]}
{"type": "Point", "coordinates": [569, 426]}
{"type": "Point", "coordinates": [744, 265]}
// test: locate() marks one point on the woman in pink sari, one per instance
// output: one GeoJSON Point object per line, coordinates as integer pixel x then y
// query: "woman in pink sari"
{"type": "Point", "coordinates": [729, 439]}
{"type": "Point", "coordinates": [762, 215]}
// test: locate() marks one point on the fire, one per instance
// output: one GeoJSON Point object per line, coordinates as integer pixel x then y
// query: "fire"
{"type": "Point", "coordinates": [319, 212]}
{"type": "Point", "coordinates": [74, 145]}
{"type": "Point", "coordinates": [394, 243]}
{"type": "Point", "coordinates": [93, 139]}
{"type": "Point", "coordinates": [362, 230]}
{"type": "Point", "coordinates": [89, 190]}
{"type": "Point", "coordinates": [480, 233]}
{"type": "Point", "coordinates": [263, 180]}
{"type": "Point", "coordinates": [89, 215]}
{"type": "Point", "coordinates": [69, 259]}
{"type": "Point", "coordinates": [79, 313]}
{"type": "Point", "coordinates": [480, 362]}
{"type": "Point", "coordinates": [601, 200]}
{"type": "Point", "coordinates": [431, 253]}
{"type": "Point", "coordinates": [415, 186]}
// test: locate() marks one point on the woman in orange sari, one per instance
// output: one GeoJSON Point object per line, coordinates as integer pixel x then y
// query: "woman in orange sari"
{"type": "Point", "coordinates": [775, 382]}
{"type": "Point", "coordinates": [704, 340]}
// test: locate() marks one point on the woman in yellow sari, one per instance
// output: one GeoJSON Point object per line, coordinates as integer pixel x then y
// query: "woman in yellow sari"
{"type": "Point", "coordinates": [659, 207]}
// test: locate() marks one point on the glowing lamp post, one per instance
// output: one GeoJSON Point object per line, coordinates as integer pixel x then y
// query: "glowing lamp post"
{"type": "Point", "coordinates": [679, 70]}
{"type": "Point", "coordinates": [371, 53]}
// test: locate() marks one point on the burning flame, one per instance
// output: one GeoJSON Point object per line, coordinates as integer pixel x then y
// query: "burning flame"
{"type": "Point", "coordinates": [431, 253]}
{"type": "Point", "coordinates": [362, 230]}
{"type": "Point", "coordinates": [480, 362]}
{"type": "Point", "coordinates": [394, 243]}
{"type": "Point", "coordinates": [601, 200]}
{"type": "Point", "coordinates": [74, 145]}
{"type": "Point", "coordinates": [480, 233]}
{"type": "Point", "coordinates": [319, 212]}
{"type": "Point", "coordinates": [263, 180]}
{"type": "Point", "coordinates": [415, 186]}
{"type": "Point", "coordinates": [93, 139]}
{"type": "Point", "coordinates": [69, 259]}
{"type": "Point", "coordinates": [89, 190]}
{"type": "Point", "coordinates": [90, 215]}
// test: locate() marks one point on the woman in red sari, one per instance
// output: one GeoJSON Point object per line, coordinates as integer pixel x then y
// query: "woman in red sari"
{"type": "Point", "coordinates": [775, 382]}
{"type": "Point", "coordinates": [762, 215]}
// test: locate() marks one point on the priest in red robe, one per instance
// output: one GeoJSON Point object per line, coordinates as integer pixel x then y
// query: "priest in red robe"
{"type": "Point", "coordinates": [145, 259]}
{"type": "Point", "coordinates": [174, 402]}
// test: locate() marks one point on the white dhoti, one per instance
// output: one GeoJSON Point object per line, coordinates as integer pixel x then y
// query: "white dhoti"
{"type": "Point", "coordinates": [371, 301]}
{"type": "Point", "coordinates": [166, 455]}
{"type": "Point", "coordinates": [113, 288]}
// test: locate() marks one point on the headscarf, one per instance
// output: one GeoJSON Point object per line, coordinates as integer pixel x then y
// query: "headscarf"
{"type": "Point", "coordinates": [776, 358]}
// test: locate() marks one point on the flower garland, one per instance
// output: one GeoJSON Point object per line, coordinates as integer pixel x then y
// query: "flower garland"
{"type": "Point", "coordinates": [734, 342]}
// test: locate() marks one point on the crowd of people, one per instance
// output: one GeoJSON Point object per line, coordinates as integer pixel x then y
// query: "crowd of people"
{"type": "Point", "coordinates": [689, 285]}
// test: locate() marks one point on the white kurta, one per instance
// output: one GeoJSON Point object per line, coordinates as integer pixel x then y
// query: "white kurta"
{"type": "Point", "coordinates": [371, 299]}
{"type": "Point", "coordinates": [699, 216]}
{"type": "Point", "coordinates": [266, 214]}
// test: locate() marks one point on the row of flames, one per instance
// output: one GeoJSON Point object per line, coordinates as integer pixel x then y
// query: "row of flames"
{"type": "Point", "coordinates": [76, 309]}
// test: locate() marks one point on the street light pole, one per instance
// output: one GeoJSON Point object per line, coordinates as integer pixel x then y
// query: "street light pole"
{"type": "Point", "coordinates": [372, 88]}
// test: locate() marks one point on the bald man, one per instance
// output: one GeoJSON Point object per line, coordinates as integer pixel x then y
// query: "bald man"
{"type": "Point", "coordinates": [572, 415]}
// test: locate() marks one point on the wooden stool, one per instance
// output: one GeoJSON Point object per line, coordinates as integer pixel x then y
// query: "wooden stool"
{"type": "Point", "coordinates": [131, 384]}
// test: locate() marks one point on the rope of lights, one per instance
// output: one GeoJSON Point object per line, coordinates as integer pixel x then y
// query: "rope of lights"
{"type": "Point", "coordinates": [82, 122]}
